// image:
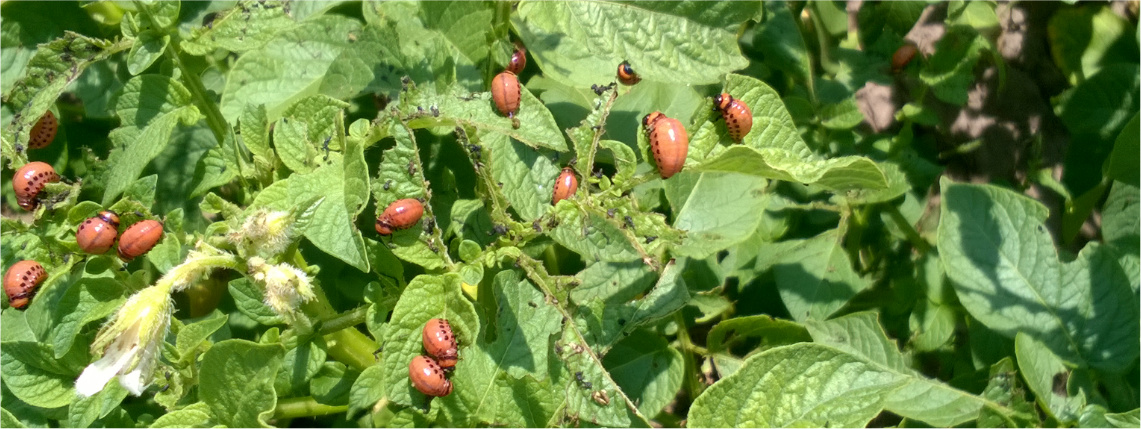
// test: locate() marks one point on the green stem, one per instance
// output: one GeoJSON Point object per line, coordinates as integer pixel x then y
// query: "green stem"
{"type": "Point", "coordinates": [693, 386]}
{"type": "Point", "coordinates": [913, 236]}
{"type": "Point", "coordinates": [348, 345]}
{"type": "Point", "coordinates": [345, 320]}
{"type": "Point", "coordinates": [292, 408]}
{"type": "Point", "coordinates": [598, 130]}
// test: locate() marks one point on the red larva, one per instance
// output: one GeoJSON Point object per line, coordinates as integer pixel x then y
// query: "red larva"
{"type": "Point", "coordinates": [44, 131]}
{"type": "Point", "coordinates": [428, 377]}
{"type": "Point", "coordinates": [626, 74]}
{"type": "Point", "coordinates": [440, 342]}
{"type": "Point", "coordinates": [401, 214]}
{"type": "Point", "coordinates": [903, 56]}
{"type": "Point", "coordinates": [97, 234]}
{"type": "Point", "coordinates": [21, 281]}
{"type": "Point", "coordinates": [738, 117]}
{"type": "Point", "coordinates": [518, 60]}
{"type": "Point", "coordinates": [139, 238]}
{"type": "Point", "coordinates": [565, 186]}
{"type": "Point", "coordinates": [30, 180]}
{"type": "Point", "coordinates": [505, 92]}
{"type": "Point", "coordinates": [668, 142]}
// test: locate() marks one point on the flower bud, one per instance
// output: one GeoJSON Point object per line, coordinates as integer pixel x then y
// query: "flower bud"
{"type": "Point", "coordinates": [130, 343]}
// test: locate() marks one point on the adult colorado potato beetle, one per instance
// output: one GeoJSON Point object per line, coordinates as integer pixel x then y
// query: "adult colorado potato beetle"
{"type": "Point", "coordinates": [401, 214]}
{"type": "Point", "coordinates": [565, 185]}
{"type": "Point", "coordinates": [738, 117]}
{"type": "Point", "coordinates": [626, 74]}
{"type": "Point", "coordinates": [21, 282]}
{"type": "Point", "coordinates": [440, 342]}
{"type": "Point", "coordinates": [43, 132]}
{"type": "Point", "coordinates": [139, 238]}
{"type": "Point", "coordinates": [428, 377]}
{"type": "Point", "coordinates": [505, 92]}
{"type": "Point", "coordinates": [668, 142]}
{"type": "Point", "coordinates": [97, 234]}
{"type": "Point", "coordinates": [30, 180]}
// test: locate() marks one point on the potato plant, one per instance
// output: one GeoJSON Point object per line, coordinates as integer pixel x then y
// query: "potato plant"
{"type": "Point", "coordinates": [668, 213]}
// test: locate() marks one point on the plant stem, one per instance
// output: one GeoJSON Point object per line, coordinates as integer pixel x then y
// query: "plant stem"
{"type": "Point", "coordinates": [913, 236]}
{"type": "Point", "coordinates": [348, 345]}
{"type": "Point", "coordinates": [693, 386]}
{"type": "Point", "coordinates": [291, 408]}
{"type": "Point", "coordinates": [344, 320]}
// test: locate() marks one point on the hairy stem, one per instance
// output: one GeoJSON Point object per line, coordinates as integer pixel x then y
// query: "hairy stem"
{"type": "Point", "coordinates": [292, 408]}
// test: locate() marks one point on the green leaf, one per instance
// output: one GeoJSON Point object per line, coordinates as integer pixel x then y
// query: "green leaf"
{"type": "Point", "coordinates": [592, 395]}
{"type": "Point", "coordinates": [290, 66]}
{"type": "Point", "coordinates": [1006, 389]}
{"type": "Point", "coordinates": [1126, 150]}
{"type": "Point", "coordinates": [772, 331]}
{"type": "Point", "coordinates": [150, 107]}
{"type": "Point", "coordinates": [32, 384]}
{"type": "Point", "coordinates": [47, 75]}
{"type": "Point", "coordinates": [591, 234]}
{"type": "Point", "coordinates": [196, 415]}
{"type": "Point", "coordinates": [244, 28]}
{"type": "Point", "coordinates": [458, 107]}
{"type": "Point", "coordinates": [609, 304]}
{"type": "Point", "coordinates": [250, 300]}
{"type": "Point", "coordinates": [163, 14]}
{"type": "Point", "coordinates": [721, 211]}
{"type": "Point", "coordinates": [490, 375]}
{"type": "Point", "coordinates": [367, 390]}
{"type": "Point", "coordinates": [950, 70]}
{"type": "Point", "coordinates": [978, 15]}
{"type": "Point", "coordinates": [814, 276]}
{"type": "Point", "coordinates": [424, 298]}
{"type": "Point", "coordinates": [87, 300]}
{"type": "Point", "coordinates": [1085, 39]}
{"type": "Point", "coordinates": [647, 369]}
{"type": "Point", "coordinates": [934, 319]}
{"type": "Point", "coordinates": [1121, 228]}
{"type": "Point", "coordinates": [10, 421]}
{"type": "Point", "coordinates": [918, 398]}
{"type": "Point", "coordinates": [773, 126]}
{"type": "Point", "coordinates": [842, 115]}
{"type": "Point", "coordinates": [1048, 377]}
{"type": "Point", "coordinates": [85, 411]}
{"type": "Point", "coordinates": [147, 49]}
{"type": "Point", "coordinates": [27, 26]}
{"type": "Point", "coordinates": [838, 174]}
{"type": "Point", "coordinates": [237, 382]}
{"type": "Point", "coordinates": [1006, 272]}
{"type": "Point", "coordinates": [383, 54]}
{"type": "Point", "coordinates": [299, 366]}
{"type": "Point", "coordinates": [1095, 112]}
{"type": "Point", "coordinates": [401, 175]}
{"type": "Point", "coordinates": [216, 167]}
{"type": "Point", "coordinates": [332, 228]}
{"type": "Point", "coordinates": [292, 145]}
{"type": "Point", "coordinates": [569, 40]}
{"type": "Point", "coordinates": [194, 334]}
{"type": "Point", "coordinates": [800, 385]}
{"type": "Point", "coordinates": [331, 385]}
{"type": "Point", "coordinates": [528, 176]}
{"type": "Point", "coordinates": [779, 39]}
{"type": "Point", "coordinates": [468, 26]}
